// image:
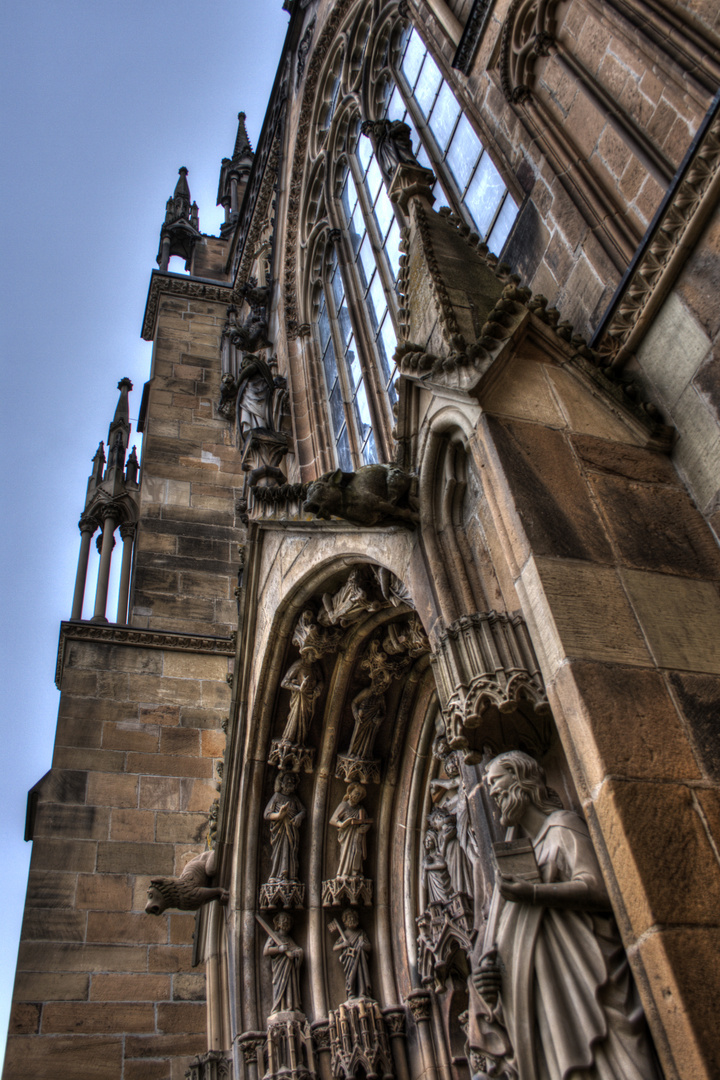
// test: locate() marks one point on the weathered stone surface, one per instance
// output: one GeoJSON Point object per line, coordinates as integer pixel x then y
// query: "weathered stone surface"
{"type": "Point", "coordinates": [670, 958]}
{"type": "Point", "coordinates": [582, 612]}
{"type": "Point", "coordinates": [97, 1058]}
{"type": "Point", "coordinates": [680, 619]}
{"type": "Point", "coordinates": [623, 723]}
{"type": "Point", "coordinates": [551, 498]}
{"type": "Point", "coordinates": [656, 530]}
{"type": "Point", "coordinates": [623, 459]}
{"type": "Point", "coordinates": [664, 864]}
{"type": "Point", "coordinates": [699, 699]}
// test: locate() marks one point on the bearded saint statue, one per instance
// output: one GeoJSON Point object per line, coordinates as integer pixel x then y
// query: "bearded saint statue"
{"type": "Point", "coordinates": [552, 996]}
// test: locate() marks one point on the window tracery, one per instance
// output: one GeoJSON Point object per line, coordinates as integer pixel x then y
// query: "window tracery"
{"type": "Point", "coordinates": [352, 302]}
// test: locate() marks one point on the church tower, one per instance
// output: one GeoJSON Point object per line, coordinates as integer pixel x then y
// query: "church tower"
{"type": "Point", "coordinates": [400, 758]}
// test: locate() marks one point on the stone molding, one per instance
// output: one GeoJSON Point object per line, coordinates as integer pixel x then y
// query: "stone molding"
{"type": "Point", "coordinates": [461, 360]}
{"type": "Point", "coordinates": [163, 283]}
{"type": "Point", "coordinates": [675, 232]}
{"type": "Point", "coordinates": [471, 35]}
{"type": "Point", "coordinates": [319, 53]}
{"type": "Point", "coordinates": [213, 1065]}
{"type": "Point", "coordinates": [485, 660]}
{"type": "Point", "coordinates": [142, 638]}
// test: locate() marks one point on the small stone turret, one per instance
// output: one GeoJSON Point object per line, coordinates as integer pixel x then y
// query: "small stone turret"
{"type": "Point", "coordinates": [111, 502]}
{"type": "Point", "coordinates": [234, 174]}
{"type": "Point", "coordinates": [181, 228]}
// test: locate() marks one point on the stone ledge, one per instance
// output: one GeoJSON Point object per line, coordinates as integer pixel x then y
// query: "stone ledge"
{"type": "Point", "coordinates": [145, 639]}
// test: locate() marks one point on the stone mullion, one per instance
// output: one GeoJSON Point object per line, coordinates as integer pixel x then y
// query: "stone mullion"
{"type": "Point", "coordinates": [127, 532]}
{"type": "Point", "coordinates": [642, 146]}
{"type": "Point", "coordinates": [87, 528]}
{"type": "Point", "coordinates": [618, 239]}
{"type": "Point", "coordinates": [108, 542]}
{"type": "Point", "coordinates": [680, 40]}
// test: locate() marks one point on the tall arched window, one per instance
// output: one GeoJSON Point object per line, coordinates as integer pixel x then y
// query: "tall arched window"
{"type": "Point", "coordinates": [374, 235]}
{"type": "Point", "coordinates": [344, 379]}
{"type": "Point", "coordinates": [445, 141]}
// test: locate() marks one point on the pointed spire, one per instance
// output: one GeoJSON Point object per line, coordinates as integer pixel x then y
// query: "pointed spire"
{"type": "Point", "coordinates": [119, 436]}
{"type": "Point", "coordinates": [181, 228]}
{"type": "Point", "coordinates": [132, 469]}
{"type": "Point", "coordinates": [242, 143]}
{"type": "Point", "coordinates": [234, 173]}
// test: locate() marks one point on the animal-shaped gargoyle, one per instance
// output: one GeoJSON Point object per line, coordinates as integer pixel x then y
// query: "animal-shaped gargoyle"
{"type": "Point", "coordinates": [374, 495]}
{"type": "Point", "coordinates": [189, 891]}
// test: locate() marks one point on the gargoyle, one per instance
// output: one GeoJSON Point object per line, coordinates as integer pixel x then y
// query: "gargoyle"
{"type": "Point", "coordinates": [374, 495]}
{"type": "Point", "coordinates": [189, 891]}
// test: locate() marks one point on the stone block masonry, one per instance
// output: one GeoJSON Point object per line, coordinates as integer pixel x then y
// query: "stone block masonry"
{"type": "Point", "coordinates": [104, 990]}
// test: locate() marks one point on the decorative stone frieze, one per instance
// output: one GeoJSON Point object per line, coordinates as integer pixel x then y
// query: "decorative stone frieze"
{"type": "Point", "coordinates": [485, 665]}
{"type": "Point", "coordinates": [443, 929]}
{"type": "Point", "coordinates": [289, 1048]}
{"type": "Point", "coordinates": [348, 890]}
{"type": "Point", "coordinates": [210, 1066]}
{"type": "Point", "coordinates": [251, 1044]}
{"type": "Point", "coordinates": [291, 757]}
{"type": "Point", "coordinates": [359, 1041]}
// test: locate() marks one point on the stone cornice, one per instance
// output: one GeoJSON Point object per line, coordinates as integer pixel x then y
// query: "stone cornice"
{"type": "Point", "coordinates": [669, 241]}
{"type": "Point", "coordinates": [165, 284]}
{"type": "Point", "coordinates": [111, 634]}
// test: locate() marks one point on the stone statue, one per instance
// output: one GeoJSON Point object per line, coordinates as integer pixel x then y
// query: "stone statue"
{"type": "Point", "coordinates": [189, 891]}
{"type": "Point", "coordinates": [285, 813]}
{"type": "Point", "coordinates": [374, 495]}
{"type": "Point", "coordinates": [451, 821]}
{"type": "Point", "coordinates": [354, 946]}
{"type": "Point", "coordinates": [286, 958]}
{"type": "Point", "coordinates": [305, 682]}
{"type": "Point", "coordinates": [368, 709]}
{"type": "Point", "coordinates": [352, 823]}
{"type": "Point", "coordinates": [393, 144]}
{"type": "Point", "coordinates": [435, 876]}
{"type": "Point", "coordinates": [552, 997]}
{"type": "Point", "coordinates": [255, 388]}
{"type": "Point", "coordinates": [348, 604]}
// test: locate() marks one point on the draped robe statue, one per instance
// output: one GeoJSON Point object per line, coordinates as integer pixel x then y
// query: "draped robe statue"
{"type": "Point", "coordinates": [285, 813]}
{"type": "Point", "coordinates": [285, 958]}
{"type": "Point", "coordinates": [553, 998]}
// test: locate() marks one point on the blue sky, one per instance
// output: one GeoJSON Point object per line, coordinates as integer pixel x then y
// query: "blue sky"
{"type": "Point", "coordinates": [102, 103]}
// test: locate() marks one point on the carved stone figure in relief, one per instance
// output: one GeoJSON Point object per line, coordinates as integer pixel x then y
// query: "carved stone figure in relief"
{"type": "Point", "coordinates": [393, 144]}
{"type": "Point", "coordinates": [348, 603]}
{"type": "Point", "coordinates": [305, 682]}
{"type": "Point", "coordinates": [553, 997]}
{"type": "Point", "coordinates": [374, 495]}
{"type": "Point", "coordinates": [354, 947]}
{"type": "Point", "coordinates": [286, 958]}
{"type": "Point", "coordinates": [285, 813]}
{"type": "Point", "coordinates": [255, 388]}
{"type": "Point", "coordinates": [368, 709]}
{"type": "Point", "coordinates": [435, 876]}
{"type": "Point", "coordinates": [352, 823]}
{"type": "Point", "coordinates": [189, 891]}
{"type": "Point", "coordinates": [450, 818]}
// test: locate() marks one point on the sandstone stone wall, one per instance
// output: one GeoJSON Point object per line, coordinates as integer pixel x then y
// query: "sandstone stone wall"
{"type": "Point", "coordinates": [186, 555]}
{"type": "Point", "coordinates": [101, 986]}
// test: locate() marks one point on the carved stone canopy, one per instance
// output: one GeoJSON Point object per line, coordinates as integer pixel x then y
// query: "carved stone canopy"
{"type": "Point", "coordinates": [490, 686]}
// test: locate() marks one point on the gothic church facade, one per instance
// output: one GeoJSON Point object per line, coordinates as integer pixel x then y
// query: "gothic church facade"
{"type": "Point", "coordinates": [401, 758]}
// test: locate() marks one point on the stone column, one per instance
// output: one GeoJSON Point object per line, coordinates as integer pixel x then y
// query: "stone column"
{"type": "Point", "coordinates": [87, 528]}
{"type": "Point", "coordinates": [108, 542]}
{"type": "Point", "coordinates": [320, 1031]}
{"type": "Point", "coordinates": [395, 1023]}
{"type": "Point", "coordinates": [165, 253]}
{"type": "Point", "coordinates": [127, 532]}
{"type": "Point", "coordinates": [251, 1044]}
{"type": "Point", "coordinates": [421, 1008]}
